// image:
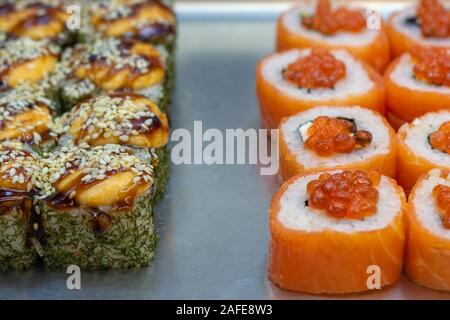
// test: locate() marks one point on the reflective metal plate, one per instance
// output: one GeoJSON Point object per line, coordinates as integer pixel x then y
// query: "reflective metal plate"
{"type": "Point", "coordinates": [213, 222]}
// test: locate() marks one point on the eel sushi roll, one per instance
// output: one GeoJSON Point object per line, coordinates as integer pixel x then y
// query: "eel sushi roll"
{"type": "Point", "coordinates": [333, 28]}
{"type": "Point", "coordinates": [143, 20]}
{"type": "Point", "coordinates": [26, 60]}
{"type": "Point", "coordinates": [326, 138]}
{"type": "Point", "coordinates": [427, 24]}
{"type": "Point", "coordinates": [299, 79]}
{"type": "Point", "coordinates": [96, 208]}
{"type": "Point", "coordinates": [427, 258]}
{"type": "Point", "coordinates": [26, 116]}
{"type": "Point", "coordinates": [17, 219]}
{"type": "Point", "coordinates": [417, 83]}
{"type": "Point", "coordinates": [35, 19]}
{"type": "Point", "coordinates": [329, 230]}
{"type": "Point", "coordinates": [125, 119]}
{"type": "Point", "coordinates": [423, 145]}
{"type": "Point", "coordinates": [113, 64]}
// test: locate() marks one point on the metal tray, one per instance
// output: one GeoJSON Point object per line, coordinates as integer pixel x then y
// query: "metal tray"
{"type": "Point", "coordinates": [213, 221]}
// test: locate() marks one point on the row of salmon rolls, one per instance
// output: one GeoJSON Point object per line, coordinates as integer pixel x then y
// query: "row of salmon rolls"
{"type": "Point", "coordinates": [354, 138]}
{"type": "Point", "coordinates": [325, 57]}
{"type": "Point", "coordinates": [340, 210]}
{"type": "Point", "coordinates": [341, 221]}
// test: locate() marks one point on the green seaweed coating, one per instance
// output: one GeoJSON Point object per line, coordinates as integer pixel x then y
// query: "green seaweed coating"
{"type": "Point", "coordinates": [129, 242]}
{"type": "Point", "coordinates": [15, 251]}
{"type": "Point", "coordinates": [161, 172]}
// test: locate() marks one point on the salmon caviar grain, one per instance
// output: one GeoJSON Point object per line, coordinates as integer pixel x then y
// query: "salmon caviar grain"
{"type": "Point", "coordinates": [347, 194]}
{"type": "Point", "coordinates": [329, 22]}
{"type": "Point", "coordinates": [320, 69]}
{"type": "Point", "coordinates": [441, 194]}
{"type": "Point", "coordinates": [328, 136]}
{"type": "Point", "coordinates": [433, 65]}
{"type": "Point", "coordinates": [441, 139]}
{"type": "Point", "coordinates": [434, 19]}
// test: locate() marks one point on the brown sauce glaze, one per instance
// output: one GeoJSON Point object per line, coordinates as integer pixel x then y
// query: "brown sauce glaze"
{"type": "Point", "coordinates": [12, 199]}
{"type": "Point", "coordinates": [6, 8]}
{"type": "Point", "coordinates": [97, 64]}
{"type": "Point", "coordinates": [28, 138]}
{"type": "Point", "coordinates": [137, 124]}
{"type": "Point", "coordinates": [152, 32]}
{"type": "Point", "coordinates": [100, 221]}
{"type": "Point", "coordinates": [36, 19]}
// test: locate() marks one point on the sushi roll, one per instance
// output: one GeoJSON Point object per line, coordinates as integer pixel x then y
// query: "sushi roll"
{"type": "Point", "coordinates": [297, 80]}
{"type": "Point", "coordinates": [26, 115]}
{"type": "Point", "coordinates": [120, 118]}
{"type": "Point", "coordinates": [112, 64]}
{"type": "Point", "coordinates": [17, 218]}
{"type": "Point", "coordinates": [35, 19]}
{"type": "Point", "coordinates": [427, 24]}
{"type": "Point", "coordinates": [326, 138]}
{"type": "Point", "coordinates": [96, 208]}
{"type": "Point", "coordinates": [143, 20]}
{"type": "Point", "coordinates": [417, 83]}
{"type": "Point", "coordinates": [26, 60]}
{"type": "Point", "coordinates": [324, 26]}
{"type": "Point", "coordinates": [423, 145]}
{"type": "Point", "coordinates": [327, 230]}
{"type": "Point", "coordinates": [427, 258]}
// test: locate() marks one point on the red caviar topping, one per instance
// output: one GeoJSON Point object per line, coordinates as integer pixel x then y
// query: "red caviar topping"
{"type": "Point", "coordinates": [329, 22]}
{"type": "Point", "coordinates": [434, 19]}
{"type": "Point", "coordinates": [320, 69]}
{"type": "Point", "coordinates": [441, 139]}
{"type": "Point", "coordinates": [433, 65]}
{"type": "Point", "coordinates": [347, 194]}
{"type": "Point", "coordinates": [441, 194]}
{"type": "Point", "coordinates": [328, 136]}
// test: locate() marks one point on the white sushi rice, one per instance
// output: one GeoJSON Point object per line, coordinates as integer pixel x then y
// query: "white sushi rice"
{"type": "Point", "coordinates": [356, 81]}
{"type": "Point", "coordinates": [414, 31]}
{"type": "Point", "coordinates": [294, 214]}
{"type": "Point", "coordinates": [364, 119]}
{"type": "Point", "coordinates": [426, 209]}
{"type": "Point", "coordinates": [417, 137]}
{"type": "Point", "coordinates": [292, 22]}
{"type": "Point", "coordinates": [403, 76]}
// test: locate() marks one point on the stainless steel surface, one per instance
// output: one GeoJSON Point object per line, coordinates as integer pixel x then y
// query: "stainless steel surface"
{"type": "Point", "coordinates": [213, 222]}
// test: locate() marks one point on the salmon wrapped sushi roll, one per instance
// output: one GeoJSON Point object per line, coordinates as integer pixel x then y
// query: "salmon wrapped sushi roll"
{"type": "Point", "coordinates": [111, 65]}
{"type": "Point", "coordinates": [328, 230]}
{"type": "Point", "coordinates": [18, 219]}
{"type": "Point", "coordinates": [36, 19]}
{"type": "Point", "coordinates": [417, 83]}
{"type": "Point", "coordinates": [296, 80]}
{"type": "Point", "coordinates": [427, 260]}
{"type": "Point", "coordinates": [427, 24]}
{"type": "Point", "coordinates": [424, 144]}
{"type": "Point", "coordinates": [333, 28]}
{"type": "Point", "coordinates": [325, 138]}
{"type": "Point", "coordinates": [96, 208]}
{"type": "Point", "coordinates": [120, 118]}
